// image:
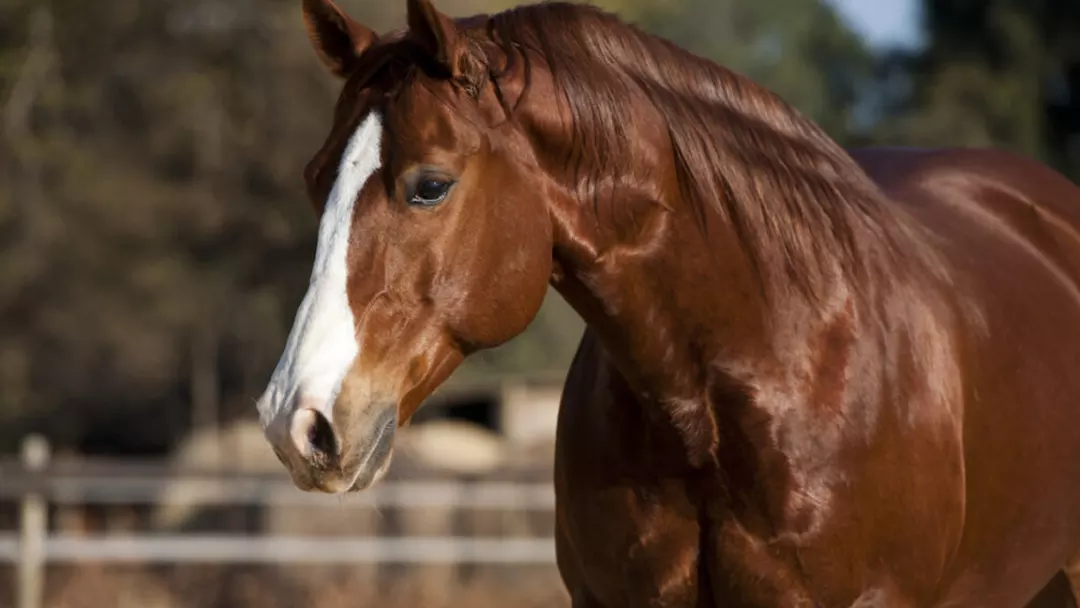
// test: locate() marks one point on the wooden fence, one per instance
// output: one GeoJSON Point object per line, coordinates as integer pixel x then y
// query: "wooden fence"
{"type": "Point", "coordinates": [35, 483]}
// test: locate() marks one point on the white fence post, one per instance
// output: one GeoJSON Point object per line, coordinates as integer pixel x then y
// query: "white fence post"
{"type": "Point", "coordinates": [33, 528]}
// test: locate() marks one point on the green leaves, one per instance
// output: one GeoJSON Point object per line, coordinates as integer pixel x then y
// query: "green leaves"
{"type": "Point", "coordinates": [1003, 73]}
{"type": "Point", "coordinates": [152, 186]}
{"type": "Point", "coordinates": [801, 50]}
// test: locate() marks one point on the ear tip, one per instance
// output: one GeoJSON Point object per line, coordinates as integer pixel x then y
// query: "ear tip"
{"type": "Point", "coordinates": [319, 7]}
{"type": "Point", "coordinates": [338, 39]}
{"type": "Point", "coordinates": [424, 7]}
{"type": "Point", "coordinates": [422, 15]}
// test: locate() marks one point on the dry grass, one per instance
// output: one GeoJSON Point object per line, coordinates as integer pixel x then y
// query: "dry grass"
{"type": "Point", "coordinates": [96, 586]}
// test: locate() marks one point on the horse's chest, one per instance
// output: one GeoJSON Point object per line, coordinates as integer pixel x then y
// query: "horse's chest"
{"type": "Point", "coordinates": [628, 547]}
{"type": "Point", "coordinates": [635, 532]}
{"type": "Point", "coordinates": [634, 536]}
{"type": "Point", "coordinates": [628, 530]}
{"type": "Point", "coordinates": [624, 549]}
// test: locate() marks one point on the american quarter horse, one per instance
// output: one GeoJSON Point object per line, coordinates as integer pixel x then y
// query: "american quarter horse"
{"type": "Point", "coordinates": [811, 376]}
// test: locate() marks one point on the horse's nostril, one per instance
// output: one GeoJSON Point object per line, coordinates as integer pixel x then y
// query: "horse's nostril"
{"type": "Point", "coordinates": [313, 436]}
{"type": "Point", "coordinates": [321, 436]}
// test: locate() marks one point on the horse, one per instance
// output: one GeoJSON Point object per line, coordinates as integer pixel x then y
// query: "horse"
{"type": "Point", "coordinates": [810, 376]}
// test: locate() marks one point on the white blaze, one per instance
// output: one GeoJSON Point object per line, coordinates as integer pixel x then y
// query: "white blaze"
{"type": "Point", "coordinates": [322, 343]}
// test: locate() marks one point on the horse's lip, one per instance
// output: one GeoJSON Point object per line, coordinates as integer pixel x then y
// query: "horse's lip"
{"type": "Point", "coordinates": [381, 448]}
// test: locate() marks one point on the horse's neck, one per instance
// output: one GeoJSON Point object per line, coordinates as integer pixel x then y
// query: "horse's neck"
{"type": "Point", "coordinates": [691, 318]}
{"type": "Point", "coordinates": [680, 310]}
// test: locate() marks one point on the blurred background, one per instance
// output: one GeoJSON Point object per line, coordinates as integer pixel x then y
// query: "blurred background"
{"type": "Point", "coordinates": [155, 241]}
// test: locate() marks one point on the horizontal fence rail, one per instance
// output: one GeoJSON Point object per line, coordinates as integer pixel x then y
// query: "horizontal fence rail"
{"type": "Point", "coordinates": [274, 550]}
{"type": "Point", "coordinates": [35, 482]}
{"type": "Point", "coordinates": [106, 490]}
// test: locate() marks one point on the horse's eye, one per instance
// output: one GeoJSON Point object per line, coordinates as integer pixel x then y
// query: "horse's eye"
{"type": "Point", "coordinates": [430, 191]}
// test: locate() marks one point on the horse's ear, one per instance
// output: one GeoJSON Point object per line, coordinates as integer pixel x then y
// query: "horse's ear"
{"type": "Point", "coordinates": [437, 34]}
{"type": "Point", "coordinates": [338, 39]}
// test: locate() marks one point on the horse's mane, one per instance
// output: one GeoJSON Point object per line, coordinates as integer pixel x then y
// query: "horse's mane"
{"type": "Point", "coordinates": [799, 203]}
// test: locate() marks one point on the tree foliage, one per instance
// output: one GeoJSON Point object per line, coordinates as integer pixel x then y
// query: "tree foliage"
{"type": "Point", "coordinates": [153, 216]}
{"type": "Point", "coordinates": [800, 50]}
{"type": "Point", "coordinates": [1003, 73]}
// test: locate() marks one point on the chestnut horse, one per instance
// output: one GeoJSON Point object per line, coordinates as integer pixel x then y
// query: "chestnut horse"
{"type": "Point", "coordinates": [811, 377]}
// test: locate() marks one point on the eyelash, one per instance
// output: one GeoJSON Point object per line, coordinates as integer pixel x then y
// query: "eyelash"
{"type": "Point", "coordinates": [437, 191]}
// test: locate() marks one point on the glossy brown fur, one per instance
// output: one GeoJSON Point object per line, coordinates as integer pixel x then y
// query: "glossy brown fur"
{"type": "Point", "coordinates": [810, 377]}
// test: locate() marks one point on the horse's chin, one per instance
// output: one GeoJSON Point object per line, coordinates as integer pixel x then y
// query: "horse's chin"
{"type": "Point", "coordinates": [370, 476]}
{"type": "Point", "coordinates": [371, 465]}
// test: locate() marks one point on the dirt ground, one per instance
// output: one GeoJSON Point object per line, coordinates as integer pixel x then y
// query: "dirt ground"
{"type": "Point", "coordinates": [94, 586]}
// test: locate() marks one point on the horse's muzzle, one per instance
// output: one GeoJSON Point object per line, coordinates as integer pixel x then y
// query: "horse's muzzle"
{"type": "Point", "coordinates": [322, 458]}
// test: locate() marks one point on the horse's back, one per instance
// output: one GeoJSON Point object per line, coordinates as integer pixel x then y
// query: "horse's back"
{"type": "Point", "coordinates": [1009, 230]}
{"type": "Point", "coordinates": [986, 205]}
{"type": "Point", "coordinates": [1012, 195]}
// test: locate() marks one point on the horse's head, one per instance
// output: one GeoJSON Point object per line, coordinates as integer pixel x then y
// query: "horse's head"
{"type": "Point", "coordinates": [434, 241]}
